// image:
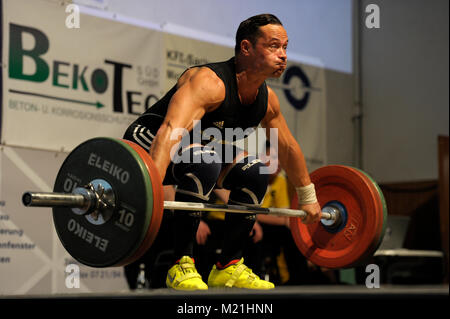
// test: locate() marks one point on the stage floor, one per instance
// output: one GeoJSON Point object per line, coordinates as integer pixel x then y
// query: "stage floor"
{"type": "Point", "coordinates": [281, 292]}
{"type": "Point", "coordinates": [281, 302]}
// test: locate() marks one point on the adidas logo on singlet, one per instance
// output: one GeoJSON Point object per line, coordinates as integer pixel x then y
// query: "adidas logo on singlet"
{"type": "Point", "coordinates": [219, 124]}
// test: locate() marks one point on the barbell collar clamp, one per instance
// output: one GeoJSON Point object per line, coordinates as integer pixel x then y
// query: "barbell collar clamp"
{"type": "Point", "coordinates": [96, 200]}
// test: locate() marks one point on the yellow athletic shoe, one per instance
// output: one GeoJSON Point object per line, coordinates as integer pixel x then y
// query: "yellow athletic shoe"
{"type": "Point", "coordinates": [184, 276]}
{"type": "Point", "coordinates": [237, 275]}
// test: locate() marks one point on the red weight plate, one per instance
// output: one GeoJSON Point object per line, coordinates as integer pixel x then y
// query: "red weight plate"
{"type": "Point", "coordinates": [380, 221]}
{"type": "Point", "coordinates": [158, 203]}
{"type": "Point", "coordinates": [383, 201]}
{"type": "Point", "coordinates": [355, 241]}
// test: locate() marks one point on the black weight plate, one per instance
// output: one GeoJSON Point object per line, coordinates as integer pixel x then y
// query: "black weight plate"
{"type": "Point", "coordinates": [119, 237]}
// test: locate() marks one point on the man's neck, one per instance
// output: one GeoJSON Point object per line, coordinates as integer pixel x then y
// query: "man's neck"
{"type": "Point", "coordinates": [248, 80]}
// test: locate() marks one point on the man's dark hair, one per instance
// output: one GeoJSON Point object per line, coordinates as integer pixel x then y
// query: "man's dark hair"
{"type": "Point", "coordinates": [249, 29]}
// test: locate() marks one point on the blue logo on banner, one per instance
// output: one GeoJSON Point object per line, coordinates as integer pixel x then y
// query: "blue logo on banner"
{"type": "Point", "coordinates": [296, 71]}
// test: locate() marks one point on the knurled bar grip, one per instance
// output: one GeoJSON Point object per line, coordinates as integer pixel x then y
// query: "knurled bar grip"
{"type": "Point", "coordinates": [42, 199]}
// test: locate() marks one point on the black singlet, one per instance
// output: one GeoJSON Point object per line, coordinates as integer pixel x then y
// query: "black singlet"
{"type": "Point", "coordinates": [231, 114]}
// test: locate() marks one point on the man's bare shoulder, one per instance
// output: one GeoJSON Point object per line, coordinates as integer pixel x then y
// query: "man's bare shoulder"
{"type": "Point", "coordinates": [205, 82]}
{"type": "Point", "coordinates": [200, 75]}
{"type": "Point", "coordinates": [272, 96]}
{"type": "Point", "coordinates": [273, 107]}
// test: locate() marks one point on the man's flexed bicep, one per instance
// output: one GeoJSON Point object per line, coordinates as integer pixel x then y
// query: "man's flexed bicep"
{"type": "Point", "coordinates": [199, 90]}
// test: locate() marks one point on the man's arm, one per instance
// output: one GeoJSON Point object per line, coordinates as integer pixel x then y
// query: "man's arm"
{"type": "Point", "coordinates": [290, 154]}
{"type": "Point", "coordinates": [199, 90]}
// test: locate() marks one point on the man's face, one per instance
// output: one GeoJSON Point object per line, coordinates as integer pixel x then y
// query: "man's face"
{"type": "Point", "coordinates": [269, 51]}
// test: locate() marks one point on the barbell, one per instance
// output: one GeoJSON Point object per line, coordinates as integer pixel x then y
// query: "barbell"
{"type": "Point", "coordinates": [108, 204]}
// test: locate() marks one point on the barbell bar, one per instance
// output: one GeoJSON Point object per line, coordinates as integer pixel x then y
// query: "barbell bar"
{"type": "Point", "coordinates": [86, 201]}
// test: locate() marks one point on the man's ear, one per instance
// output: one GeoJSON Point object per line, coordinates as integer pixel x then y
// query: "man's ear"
{"type": "Point", "coordinates": [246, 45]}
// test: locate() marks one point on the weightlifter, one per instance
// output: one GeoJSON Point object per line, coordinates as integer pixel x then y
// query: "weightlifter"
{"type": "Point", "coordinates": [230, 94]}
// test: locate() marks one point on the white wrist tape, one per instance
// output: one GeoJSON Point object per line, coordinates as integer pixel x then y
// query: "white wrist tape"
{"type": "Point", "coordinates": [306, 194]}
